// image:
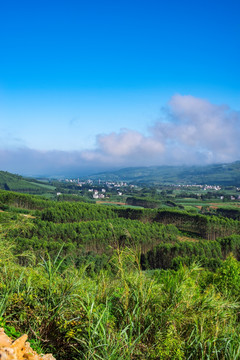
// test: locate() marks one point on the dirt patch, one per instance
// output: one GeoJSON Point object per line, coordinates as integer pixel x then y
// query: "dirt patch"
{"type": "Point", "coordinates": [110, 202]}
{"type": "Point", "coordinates": [185, 238]}
{"type": "Point", "coordinates": [217, 205]}
{"type": "Point", "coordinates": [28, 216]}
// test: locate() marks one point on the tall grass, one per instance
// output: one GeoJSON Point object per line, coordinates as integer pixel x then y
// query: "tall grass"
{"type": "Point", "coordinates": [122, 314]}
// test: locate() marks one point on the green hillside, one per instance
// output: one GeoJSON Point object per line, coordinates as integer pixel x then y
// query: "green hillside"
{"type": "Point", "coordinates": [86, 281]}
{"type": "Point", "coordinates": [18, 183]}
{"type": "Point", "coordinates": [218, 174]}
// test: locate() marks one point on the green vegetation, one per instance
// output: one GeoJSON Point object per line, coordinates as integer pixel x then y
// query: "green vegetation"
{"type": "Point", "coordinates": [18, 183]}
{"type": "Point", "coordinates": [143, 202]}
{"type": "Point", "coordinates": [88, 281]}
{"type": "Point", "coordinates": [122, 314]}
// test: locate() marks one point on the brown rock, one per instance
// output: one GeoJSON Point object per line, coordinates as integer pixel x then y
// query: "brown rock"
{"type": "Point", "coordinates": [4, 339]}
{"type": "Point", "coordinates": [19, 349]}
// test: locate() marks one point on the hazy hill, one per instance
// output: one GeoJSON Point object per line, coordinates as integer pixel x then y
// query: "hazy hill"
{"type": "Point", "coordinates": [222, 174]}
{"type": "Point", "coordinates": [14, 182]}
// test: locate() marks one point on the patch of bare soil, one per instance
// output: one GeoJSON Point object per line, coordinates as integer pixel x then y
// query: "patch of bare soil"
{"type": "Point", "coordinates": [217, 205]}
{"type": "Point", "coordinates": [28, 216]}
{"type": "Point", "coordinates": [110, 202]}
{"type": "Point", "coordinates": [185, 238]}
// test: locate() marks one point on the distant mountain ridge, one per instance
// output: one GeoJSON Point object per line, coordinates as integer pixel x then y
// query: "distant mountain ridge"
{"type": "Point", "coordinates": [215, 174]}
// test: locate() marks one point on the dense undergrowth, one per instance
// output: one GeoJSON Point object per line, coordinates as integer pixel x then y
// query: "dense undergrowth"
{"type": "Point", "coordinates": [190, 313]}
{"type": "Point", "coordinates": [90, 282]}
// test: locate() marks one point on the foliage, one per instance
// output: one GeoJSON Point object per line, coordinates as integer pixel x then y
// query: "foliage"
{"type": "Point", "coordinates": [122, 314]}
{"type": "Point", "coordinates": [14, 182]}
{"type": "Point", "coordinates": [92, 282]}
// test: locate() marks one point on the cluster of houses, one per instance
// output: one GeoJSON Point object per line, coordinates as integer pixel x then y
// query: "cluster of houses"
{"type": "Point", "coordinates": [212, 187]}
{"type": "Point", "coordinates": [102, 194]}
{"type": "Point", "coordinates": [97, 194]}
{"type": "Point", "coordinates": [79, 183]}
{"type": "Point", "coordinates": [204, 187]}
{"type": "Point", "coordinates": [109, 184]}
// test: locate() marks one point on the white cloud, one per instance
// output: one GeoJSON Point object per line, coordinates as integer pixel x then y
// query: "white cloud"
{"type": "Point", "coordinates": [202, 128]}
{"type": "Point", "coordinates": [192, 131]}
{"type": "Point", "coordinates": [127, 147]}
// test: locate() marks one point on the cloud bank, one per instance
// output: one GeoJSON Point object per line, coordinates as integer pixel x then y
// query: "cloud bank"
{"type": "Point", "coordinates": [192, 131]}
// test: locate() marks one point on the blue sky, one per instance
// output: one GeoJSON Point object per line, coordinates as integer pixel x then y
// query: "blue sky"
{"type": "Point", "coordinates": [82, 81]}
